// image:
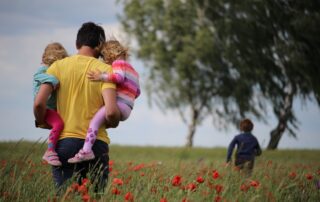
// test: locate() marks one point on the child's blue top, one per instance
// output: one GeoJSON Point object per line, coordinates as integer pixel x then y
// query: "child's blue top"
{"type": "Point", "coordinates": [247, 146]}
{"type": "Point", "coordinates": [41, 77]}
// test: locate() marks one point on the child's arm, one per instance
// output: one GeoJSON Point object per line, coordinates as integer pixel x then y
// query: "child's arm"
{"type": "Point", "coordinates": [46, 78]}
{"type": "Point", "coordinates": [116, 77]}
{"type": "Point", "coordinates": [258, 151]}
{"type": "Point", "coordinates": [230, 149]}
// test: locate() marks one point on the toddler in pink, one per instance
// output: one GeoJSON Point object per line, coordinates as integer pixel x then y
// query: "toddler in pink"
{"type": "Point", "coordinates": [128, 89]}
{"type": "Point", "coordinates": [53, 52]}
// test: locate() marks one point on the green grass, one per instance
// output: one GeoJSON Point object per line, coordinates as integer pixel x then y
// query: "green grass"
{"type": "Point", "coordinates": [147, 173]}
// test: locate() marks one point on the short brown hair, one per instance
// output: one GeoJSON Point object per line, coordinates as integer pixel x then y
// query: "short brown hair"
{"type": "Point", "coordinates": [53, 52]}
{"type": "Point", "coordinates": [112, 50]}
{"type": "Point", "coordinates": [246, 125]}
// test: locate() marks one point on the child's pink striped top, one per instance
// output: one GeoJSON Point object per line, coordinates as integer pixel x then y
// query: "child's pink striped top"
{"type": "Point", "coordinates": [127, 80]}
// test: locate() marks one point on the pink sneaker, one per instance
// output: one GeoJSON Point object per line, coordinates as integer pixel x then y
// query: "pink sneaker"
{"type": "Point", "coordinates": [82, 156]}
{"type": "Point", "coordinates": [52, 158]}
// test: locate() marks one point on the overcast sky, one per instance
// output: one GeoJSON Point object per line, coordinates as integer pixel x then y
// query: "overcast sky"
{"type": "Point", "coordinates": [26, 27]}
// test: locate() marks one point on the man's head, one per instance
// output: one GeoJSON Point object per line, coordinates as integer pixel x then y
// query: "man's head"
{"type": "Point", "coordinates": [246, 125]}
{"type": "Point", "coordinates": [90, 34]}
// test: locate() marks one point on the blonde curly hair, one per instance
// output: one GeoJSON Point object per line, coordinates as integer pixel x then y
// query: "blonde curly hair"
{"type": "Point", "coordinates": [53, 52]}
{"type": "Point", "coordinates": [112, 50]}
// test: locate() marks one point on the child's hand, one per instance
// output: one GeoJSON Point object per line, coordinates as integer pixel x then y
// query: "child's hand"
{"type": "Point", "coordinates": [94, 75]}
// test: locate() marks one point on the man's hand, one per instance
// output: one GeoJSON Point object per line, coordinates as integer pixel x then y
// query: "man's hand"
{"type": "Point", "coordinates": [43, 126]}
{"type": "Point", "coordinates": [94, 75]}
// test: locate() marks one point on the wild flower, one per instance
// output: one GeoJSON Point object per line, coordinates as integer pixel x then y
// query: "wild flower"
{"type": "Point", "coordinates": [117, 181]}
{"type": "Point", "coordinates": [176, 181]}
{"type": "Point", "coordinates": [200, 179]}
{"type": "Point", "coordinates": [128, 197]}
{"type": "Point", "coordinates": [215, 174]}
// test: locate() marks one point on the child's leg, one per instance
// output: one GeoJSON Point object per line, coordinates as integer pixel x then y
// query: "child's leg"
{"type": "Point", "coordinates": [95, 123]}
{"type": "Point", "coordinates": [55, 121]}
{"type": "Point", "coordinates": [86, 152]}
{"type": "Point", "coordinates": [125, 110]}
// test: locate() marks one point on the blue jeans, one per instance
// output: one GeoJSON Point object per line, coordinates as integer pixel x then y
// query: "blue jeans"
{"type": "Point", "coordinates": [98, 168]}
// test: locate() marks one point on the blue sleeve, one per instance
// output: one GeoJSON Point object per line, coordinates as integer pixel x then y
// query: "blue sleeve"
{"type": "Point", "coordinates": [230, 148]}
{"type": "Point", "coordinates": [46, 78]}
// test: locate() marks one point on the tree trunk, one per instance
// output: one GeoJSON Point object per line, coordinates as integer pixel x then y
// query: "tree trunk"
{"type": "Point", "coordinates": [192, 128]}
{"type": "Point", "coordinates": [283, 117]}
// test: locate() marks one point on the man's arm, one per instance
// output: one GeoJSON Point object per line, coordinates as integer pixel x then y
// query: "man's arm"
{"type": "Point", "coordinates": [40, 102]}
{"type": "Point", "coordinates": [112, 111]}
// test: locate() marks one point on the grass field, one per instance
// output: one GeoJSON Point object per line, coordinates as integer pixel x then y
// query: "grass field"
{"type": "Point", "coordinates": [166, 174]}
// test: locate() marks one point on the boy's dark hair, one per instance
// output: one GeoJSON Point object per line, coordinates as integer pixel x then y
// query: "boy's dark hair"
{"type": "Point", "coordinates": [90, 34]}
{"type": "Point", "coordinates": [246, 125]}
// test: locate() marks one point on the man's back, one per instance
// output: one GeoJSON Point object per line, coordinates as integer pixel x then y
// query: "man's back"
{"type": "Point", "coordinates": [78, 98]}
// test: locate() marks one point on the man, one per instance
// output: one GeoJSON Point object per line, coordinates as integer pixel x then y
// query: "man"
{"type": "Point", "coordinates": [78, 100]}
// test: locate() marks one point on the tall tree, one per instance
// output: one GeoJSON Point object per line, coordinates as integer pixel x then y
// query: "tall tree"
{"type": "Point", "coordinates": [186, 66]}
{"type": "Point", "coordinates": [211, 58]}
{"type": "Point", "coordinates": [278, 40]}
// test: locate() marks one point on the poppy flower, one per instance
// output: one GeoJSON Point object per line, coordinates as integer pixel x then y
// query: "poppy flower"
{"type": "Point", "coordinates": [115, 191]}
{"type": "Point", "coordinates": [86, 197]}
{"type": "Point", "coordinates": [176, 181]}
{"type": "Point", "coordinates": [117, 181]}
{"type": "Point", "coordinates": [191, 186]}
{"type": "Point", "coordinates": [128, 196]}
{"type": "Point", "coordinates": [217, 199]}
{"type": "Point", "coordinates": [309, 176]}
{"type": "Point", "coordinates": [244, 187]}
{"type": "Point", "coordinates": [215, 174]}
{"type": "Point", "coordinates": [218, 188]}
{"type": "Point", "coordinates": [292, 175]}
{"type": "Point", "coordinates": [254, 183]}
{"type": "Point", "coordinates": [163, 200]}
{"type": "Point", "coordinates": [138, 167]}
{"type": "Point", "coordinates": [200, 179]}
{"type": "Point", "coordinates": [82, 189]}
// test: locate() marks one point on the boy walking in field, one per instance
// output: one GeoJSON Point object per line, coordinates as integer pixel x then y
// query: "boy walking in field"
{"type": "Point", "coordinates": [247, 147]}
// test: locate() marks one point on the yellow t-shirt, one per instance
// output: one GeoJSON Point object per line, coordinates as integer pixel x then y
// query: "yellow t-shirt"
{"type": "Point", "coordinates": [78, 98]}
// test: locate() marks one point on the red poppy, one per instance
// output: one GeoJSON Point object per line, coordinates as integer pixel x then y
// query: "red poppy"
{"type": "Point", "coordinates": [292, 175]}
{"type": "Point", "coordinates": [75, 186]}
{"type": "Point", "coordinates": [163, 200]}
{"type": "Point", "coordinates": [215, 174]}
{"type": "Point", "coordinates": [115, 191]}
{"type": "Point", "coordinates": [86, 197]}
{"type": "Point", "coordinates": [138, 167]}
{"type": "Point", "coordinates": [244, 187]}
{"type": "Point", "coordinates": [217, 199]}
{"type": "Point", "coordinates": [254, 183]}
{"type": "Point", "coordinates": [309, 176]}
{"type": "Point", "coordinates": [128, 196]}
{"type": "Point", "coordinates": [111, 162]}
{"type": "Point", "coordinates": [82, 189]}
{"type": "Point", "coordinates": [200, 179]}
{"type": "Point", "coordinates": [176, 181]}
{"type": "Point", "coordinates": [191, 186]}
{"type": "Point", "coordinates": [117, 181]}
{"type": "Point", "coordinates": [218, 188]}
{"type": "Point", "coordinates": [85, 181]}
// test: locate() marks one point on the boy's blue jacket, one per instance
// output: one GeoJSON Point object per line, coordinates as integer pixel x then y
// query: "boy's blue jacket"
{"type": "Point", "coordinates": [247, 146]}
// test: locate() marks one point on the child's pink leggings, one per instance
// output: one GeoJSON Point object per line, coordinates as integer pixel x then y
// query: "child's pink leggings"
{"type": "Point", "coordinates": [54, 120]}
{"type": "Point", "coordinates": [98, 120]}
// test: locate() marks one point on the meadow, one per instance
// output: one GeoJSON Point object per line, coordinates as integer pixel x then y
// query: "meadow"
{"type": "Point", "coordinates": [165, 174]}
